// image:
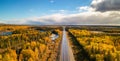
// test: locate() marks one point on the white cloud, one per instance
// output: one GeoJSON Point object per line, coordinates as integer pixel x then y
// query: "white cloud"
{"type": "Point", "coordinates": [109, 17]}
{"type": "Point", "coordinates": [59, 11]}
{"type": "Point", "coordinates": [63, 11]}
{"type": "Point", "coordinates": [85, 9]}
{"type": "Point", "coordinates": [95, 2]}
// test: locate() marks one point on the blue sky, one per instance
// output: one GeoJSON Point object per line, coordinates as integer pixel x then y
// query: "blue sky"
{"type": "Point", "coordinates": [16, 9]}
{"type": "Point", "coordinates": [60, 12]}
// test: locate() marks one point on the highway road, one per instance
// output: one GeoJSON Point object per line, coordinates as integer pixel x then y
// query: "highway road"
{"type": "Point", "coordinates": [66, 51]}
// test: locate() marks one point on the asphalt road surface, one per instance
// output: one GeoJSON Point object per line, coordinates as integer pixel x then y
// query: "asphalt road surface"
{"type": "Point", "coordinates": [66, 51]}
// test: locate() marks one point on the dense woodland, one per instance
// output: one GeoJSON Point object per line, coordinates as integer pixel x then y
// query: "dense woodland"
{"type": "Point", "coordinates": [95, 46]}
{"type": "Point", "coordinates": [34, 43]}
{"type": "Point", "coordinates": [29, 43]}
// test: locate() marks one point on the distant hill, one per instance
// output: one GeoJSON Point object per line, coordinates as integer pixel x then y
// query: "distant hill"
{"type": "Point", "coordinates": [2, 23]}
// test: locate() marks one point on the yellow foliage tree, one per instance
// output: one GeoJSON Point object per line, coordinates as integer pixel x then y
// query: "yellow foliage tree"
{"type": "Point", "coordinates": [27, 54]}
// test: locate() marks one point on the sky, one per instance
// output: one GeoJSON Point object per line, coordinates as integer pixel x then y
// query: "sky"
{"type": "Point", "coordinates": [54, 12]}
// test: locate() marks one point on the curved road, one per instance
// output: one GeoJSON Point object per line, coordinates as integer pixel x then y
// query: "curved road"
{"type": "Point", "coordinates": [66, 51]}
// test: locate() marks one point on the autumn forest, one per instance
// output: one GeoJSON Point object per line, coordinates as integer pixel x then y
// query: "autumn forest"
{"type": "Point", "coordinates": [43, 43]}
